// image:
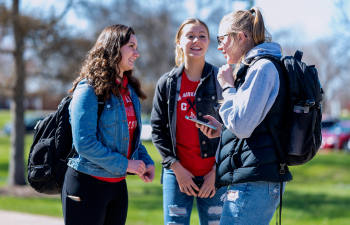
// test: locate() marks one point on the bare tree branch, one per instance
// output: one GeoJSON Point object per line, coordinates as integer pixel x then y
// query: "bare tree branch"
{"type": "Point", "coordinates": [4, 51]}
{"type": "Point", "coordinates": [6, 89]}
{"type": "Point", "coordinates": [342, 6]}
{"type": "Point", "coordinates": [65, 11]}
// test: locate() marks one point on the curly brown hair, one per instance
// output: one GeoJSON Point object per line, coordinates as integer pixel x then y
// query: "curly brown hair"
{"type": "Point", "coordinates": [101, 65]}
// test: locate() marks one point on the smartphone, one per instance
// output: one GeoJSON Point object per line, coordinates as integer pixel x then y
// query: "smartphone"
{"type": "Point", "coordinates": [201, 122]}
{"type": "Point", "coordinates": [198, 182]}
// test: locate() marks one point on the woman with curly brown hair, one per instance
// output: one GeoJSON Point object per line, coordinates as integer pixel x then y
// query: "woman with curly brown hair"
{"type": "Point", "coordinates": [108, 147]}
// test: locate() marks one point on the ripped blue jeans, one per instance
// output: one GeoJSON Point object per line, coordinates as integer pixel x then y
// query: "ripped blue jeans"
{"type": "Point", "coordinates": [177, 206]}
{"type": "Point", "coordinates": [251, 203]}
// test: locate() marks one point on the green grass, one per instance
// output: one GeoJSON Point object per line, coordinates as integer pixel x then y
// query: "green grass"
{"type": "Point", "coordinates": [319, 194]}
{"type": "Point", "coordinates": [4, 117]}
{"type": "Point", "coordinates": [44, 206]}
{"type": "Point", "coordinates": [145, 200]}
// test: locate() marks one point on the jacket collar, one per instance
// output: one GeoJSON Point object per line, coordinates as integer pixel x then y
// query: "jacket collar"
{"type": "Point", "coordinates": [207, 70]}
{"type": "Point", "coordinates": [178, 71]}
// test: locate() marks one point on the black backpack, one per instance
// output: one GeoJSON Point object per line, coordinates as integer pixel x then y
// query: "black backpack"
{"type": "Point", "coordinates": [301, 138]}
{"type": "Point", "coordinates": [52, 147]}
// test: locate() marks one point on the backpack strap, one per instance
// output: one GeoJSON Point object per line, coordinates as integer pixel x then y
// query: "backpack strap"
{"type": "Point", "coordinates": [168, 84]}
{"type": "Point", "coordinates": [282, 159]}
{"type": "Point", "coordinates": [298, 55]}
{"type": "Point", "coordinates": [217, 85]}
{"type": "Point", "coordinates": [268, 123]}
{"type": "Point", "coordinates": [268, 57]}
{"type": "Point", "coordinates": [279, 150]}
{"type": "Point", "coordinates": [101, 105]}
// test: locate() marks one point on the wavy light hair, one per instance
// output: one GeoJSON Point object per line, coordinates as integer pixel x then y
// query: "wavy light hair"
{"type": "Point", "coordinates": [101, 65]}
{"type": "Point", "coordinates": [179, 54]}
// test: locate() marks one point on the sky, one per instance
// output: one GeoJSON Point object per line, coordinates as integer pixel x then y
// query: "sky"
{"type": "Point", "coordinates": [308, 19]}
{"type": "Point", "coordinates": [312, 18]}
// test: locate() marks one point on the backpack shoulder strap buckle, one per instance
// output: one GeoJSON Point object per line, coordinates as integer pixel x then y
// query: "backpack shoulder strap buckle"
{"type": "Point", "coordinates": [282, 170]}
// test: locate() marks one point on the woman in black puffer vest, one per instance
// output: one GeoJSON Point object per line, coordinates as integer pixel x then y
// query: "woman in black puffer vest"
{"type": "Point", "coordinates": [254, 93]}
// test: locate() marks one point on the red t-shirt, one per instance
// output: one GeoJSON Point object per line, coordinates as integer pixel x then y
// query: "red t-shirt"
{"type": "Point", "coordinates": [187, 138]}
{"type": "Point", "coordinates": [132, 124]}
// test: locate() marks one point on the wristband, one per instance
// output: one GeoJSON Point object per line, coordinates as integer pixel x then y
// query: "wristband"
{"type": "Point", "coordinates": [227, 86]}
{"type": "Point", "coordinates": [224, 89]}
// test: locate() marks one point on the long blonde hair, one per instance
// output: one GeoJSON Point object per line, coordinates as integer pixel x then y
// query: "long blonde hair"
{"type": "Point", "coordinates": [179, 54]}
{"type": "Point", "coordinates": [251, 25]}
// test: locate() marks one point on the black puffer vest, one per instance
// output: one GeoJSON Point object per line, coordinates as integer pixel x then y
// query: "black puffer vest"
{"type": "Point", "coordinates": [254, 158]}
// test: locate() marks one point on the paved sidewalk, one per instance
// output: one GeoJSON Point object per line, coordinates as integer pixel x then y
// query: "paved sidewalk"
{"type": "Point", "coordinates": [16, 218]}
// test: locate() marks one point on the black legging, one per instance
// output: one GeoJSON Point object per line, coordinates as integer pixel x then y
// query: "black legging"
{"type": "Point", "coordinates": [101, 202]}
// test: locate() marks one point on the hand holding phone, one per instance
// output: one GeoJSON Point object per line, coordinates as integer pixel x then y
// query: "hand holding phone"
{"type": "Point", "coordinates": [210, 133]}
{"type": "Point", "coordinates": [201, 122]}
{"type": "Point", "coordinates": [198, 182]}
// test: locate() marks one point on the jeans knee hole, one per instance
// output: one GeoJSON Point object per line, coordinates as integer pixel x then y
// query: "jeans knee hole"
{"type": "Point", "coordinates": [175, 210]}
{"type": "Point", "coordinates": [214, 222]}
{"type": "Point", "coordinates": [232, 195]}
{"type": "Point", "coordinates": [274, 190]}
{"type": "Point", "coordinates": [215, 210]}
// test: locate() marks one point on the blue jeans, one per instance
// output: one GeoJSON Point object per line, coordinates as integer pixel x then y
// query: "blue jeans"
{"type": "Point", "coordinates": [177, 206]}
{"type": "Point", "coordinates": [251, 203]}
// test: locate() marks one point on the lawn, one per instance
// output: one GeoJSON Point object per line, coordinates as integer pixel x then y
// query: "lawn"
{"type": "Point", "coordinates": [4, 117]}
{"type": "Point", "coordinates": [318, 194]}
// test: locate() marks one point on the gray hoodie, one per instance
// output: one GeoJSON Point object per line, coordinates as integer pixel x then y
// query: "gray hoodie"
{"type": "Point", "coordinates": [243, 110]}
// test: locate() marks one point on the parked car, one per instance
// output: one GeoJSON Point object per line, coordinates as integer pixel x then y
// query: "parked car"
{"type": "Point", "coordinates": [30, 121]}
{"type": "Point", "coordinates": [347, 147]}
{"type": "Point", "coordinates": [337, 136]}
{"type": "Point", "coordinates": [146, 133]}
{"type": "Point", "coordinates": [328, 121]}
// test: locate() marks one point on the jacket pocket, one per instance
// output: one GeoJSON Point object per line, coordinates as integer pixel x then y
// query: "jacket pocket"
{"type": "Point", "coordinates": [110, 114]}
{"type": "Point", "coordinates": [211, 104]}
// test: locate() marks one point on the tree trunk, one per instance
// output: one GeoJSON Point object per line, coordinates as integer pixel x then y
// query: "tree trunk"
{"type": "Point", "coordinates": [16, 170]}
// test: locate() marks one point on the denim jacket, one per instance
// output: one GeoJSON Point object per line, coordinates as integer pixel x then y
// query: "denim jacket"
{"type": "Point", "coordinates": [163, 117]}
{"type": "Point", "coordinates": [102, 146]}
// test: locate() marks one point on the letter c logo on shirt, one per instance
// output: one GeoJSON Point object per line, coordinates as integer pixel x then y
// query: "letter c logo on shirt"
{"type": "Point", "coordinates": [183, 106]}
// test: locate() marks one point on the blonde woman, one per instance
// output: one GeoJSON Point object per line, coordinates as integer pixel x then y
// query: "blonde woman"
{"type": "Point", "coordinates": [256, 91]}
{"type": "Point", "coordinates": [188, 155]}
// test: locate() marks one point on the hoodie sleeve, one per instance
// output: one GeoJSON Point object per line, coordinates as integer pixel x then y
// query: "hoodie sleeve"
{"type": "Point", "coordinates": [243, 110]}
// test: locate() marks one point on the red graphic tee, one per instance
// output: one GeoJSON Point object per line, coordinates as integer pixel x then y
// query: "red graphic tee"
{"type": "Point", "coordinates": [187, 138]}
{"type": "Point", "coordinates": [132, 124]}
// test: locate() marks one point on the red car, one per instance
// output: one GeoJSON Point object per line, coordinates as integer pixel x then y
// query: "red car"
{"type": "Point", "coordinates": [337, 136]}
{"type": "Point", "coordinates": [328, 121]}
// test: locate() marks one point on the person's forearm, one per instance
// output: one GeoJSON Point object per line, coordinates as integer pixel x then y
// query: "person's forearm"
{"type": "Point", "coordinates": [244, 109]}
